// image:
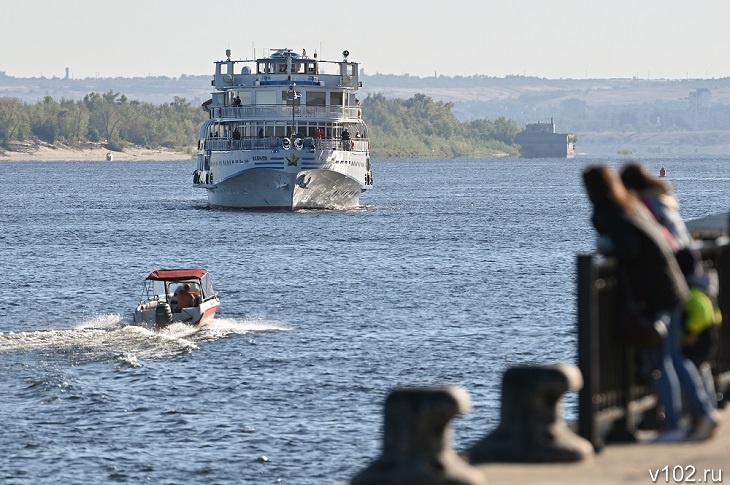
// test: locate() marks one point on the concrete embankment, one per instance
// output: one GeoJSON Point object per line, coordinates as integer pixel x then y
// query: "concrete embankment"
{"type": "Point", "coordinates": [633, 463]}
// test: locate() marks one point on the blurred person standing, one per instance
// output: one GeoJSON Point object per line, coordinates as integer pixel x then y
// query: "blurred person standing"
{"type": "Point", "coordinates": [629, 232]}
{"type": "Point", "coordinates": [700, 318]}
{"type": "Point", "coordinates": [658, 197]}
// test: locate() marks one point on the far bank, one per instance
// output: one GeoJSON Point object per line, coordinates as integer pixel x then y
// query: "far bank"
{"type": "Point", "coordinates": [44, 152]}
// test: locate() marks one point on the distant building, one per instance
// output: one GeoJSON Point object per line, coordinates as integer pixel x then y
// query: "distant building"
{"type": "Point", "coordinates": [699, 111]}
{"type": "Point", "coordinates": [67, 73]}
{"type": "Point", "coordinates": [700, 98]}
{"type": "Point", "coordinates": [539, 140]}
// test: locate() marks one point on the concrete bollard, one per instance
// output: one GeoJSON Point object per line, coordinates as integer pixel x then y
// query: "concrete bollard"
{"type": "Point", "coordinates": [532, 428]}
{"type": "Point", "coordinates": [417, 440]}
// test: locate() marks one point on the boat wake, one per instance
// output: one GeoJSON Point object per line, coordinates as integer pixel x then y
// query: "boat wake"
{"type": "Point", "coordinates": [112, 337]}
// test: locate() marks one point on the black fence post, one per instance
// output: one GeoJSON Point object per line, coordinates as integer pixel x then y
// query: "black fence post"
{"type": "Point", "coordinates": [717, 257]}
{"type": "Point", "coordinates": [612, 399]}
{"type": "Point", "coordinates": [587, 351]}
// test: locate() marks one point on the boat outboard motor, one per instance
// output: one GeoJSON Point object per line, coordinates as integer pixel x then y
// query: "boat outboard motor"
{"type": "Point", "coordinates": [163, 315]}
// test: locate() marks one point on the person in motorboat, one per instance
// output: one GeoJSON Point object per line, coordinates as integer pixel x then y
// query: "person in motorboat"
{"type": "Point", "coordinates": [177, 295]}
{"type": "Point", "coordinates": [185, 299]}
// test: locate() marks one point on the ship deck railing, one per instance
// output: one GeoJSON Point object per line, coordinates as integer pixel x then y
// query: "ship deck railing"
{"type": "Point", "coordinates": [219, 144]}
{"type": "Point", "coordinates": [263, 112]}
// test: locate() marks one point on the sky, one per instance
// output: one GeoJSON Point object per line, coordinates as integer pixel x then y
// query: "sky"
{"type": "Point", "coordinates": [555, 39]}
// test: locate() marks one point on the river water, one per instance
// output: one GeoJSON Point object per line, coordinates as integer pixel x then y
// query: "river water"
{"type": "Point", "coordinates": [452, 271]}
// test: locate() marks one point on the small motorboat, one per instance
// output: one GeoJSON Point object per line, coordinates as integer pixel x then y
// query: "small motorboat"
{"type": "Point", "coordinates": [177, 295]}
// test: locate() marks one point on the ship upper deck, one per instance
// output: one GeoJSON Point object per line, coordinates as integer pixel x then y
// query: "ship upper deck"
{"type": "Point", "coordinates": [285, 67]}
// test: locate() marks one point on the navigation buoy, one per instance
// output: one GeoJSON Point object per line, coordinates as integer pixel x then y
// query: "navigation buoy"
{"type": "Point", "coordinates": [662, 172]}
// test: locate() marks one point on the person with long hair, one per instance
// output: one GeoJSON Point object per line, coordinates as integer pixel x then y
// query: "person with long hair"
{"type": "Point", "coordinates": [629, 232]}
{"type": "Point", "coordinates": [658, 197]}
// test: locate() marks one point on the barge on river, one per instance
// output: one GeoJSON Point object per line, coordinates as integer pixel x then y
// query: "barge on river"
{"type": "Point", "coordinates": [540, 140]}
{"type": "Point", "coordinates": [285, 131]}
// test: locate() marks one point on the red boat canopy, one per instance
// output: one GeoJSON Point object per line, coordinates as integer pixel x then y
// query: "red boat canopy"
{"type": "Point", "coordinates": [177, 274]}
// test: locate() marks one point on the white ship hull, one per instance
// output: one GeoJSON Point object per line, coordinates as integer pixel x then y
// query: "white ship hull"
{"type": "Point", "coordinates": [273, 189]}
{"type": "Point", "coordinates": [285, 179]}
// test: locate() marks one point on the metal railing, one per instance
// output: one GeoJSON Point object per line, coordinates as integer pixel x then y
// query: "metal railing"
{"type": "Point", "coordinates": [255, 143]}
{"type": "Point", "coordinates": [278, 111]}
{"type": "Point", "coordinates": [615, 395]}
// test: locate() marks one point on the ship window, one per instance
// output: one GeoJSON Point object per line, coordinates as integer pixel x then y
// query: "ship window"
{"type": "Point", "coordinates": [266, 97]}
{"type": "Point", "coordinates": [347, 69]}
{"type": "Point", "coordinates": [225, 67]}
{"type": "Point", "coordinates": [336, 99]}
{"type": "Point", "coordinates": [312, 130]}
{"type": "Point", "coordinates": [287, 97]}
{"type": "Point", "coordinates": [245, 97]}
{"type": "Point", "coordinates": [316, 99]}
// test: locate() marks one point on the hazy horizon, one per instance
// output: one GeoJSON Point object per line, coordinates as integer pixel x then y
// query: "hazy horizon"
{"type": "Point", "coordinates": [560, 39]}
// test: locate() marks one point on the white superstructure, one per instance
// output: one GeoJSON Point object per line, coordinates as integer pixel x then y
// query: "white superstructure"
{"type": "Point", "coordinates": [285, 132]}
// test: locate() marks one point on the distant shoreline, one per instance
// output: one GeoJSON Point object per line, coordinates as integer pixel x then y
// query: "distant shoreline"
{"type": "Point", "coordinates": [37, 152]}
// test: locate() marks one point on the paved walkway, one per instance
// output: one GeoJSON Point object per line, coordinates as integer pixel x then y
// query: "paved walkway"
{"type": "Point", "coordinates": [634, 463]}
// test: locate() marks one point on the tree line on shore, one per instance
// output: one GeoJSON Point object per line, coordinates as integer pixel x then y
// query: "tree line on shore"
{"type": "Point", "coordinates": [109, 118]}
{"type": "Point", "coordinates": [415, 127]}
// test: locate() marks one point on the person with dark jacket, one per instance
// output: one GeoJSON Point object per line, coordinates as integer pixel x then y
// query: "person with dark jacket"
{"type": "Point", "coordinates": [629, 232]}
{"type": "Point", "coordinates": [701, 317]}
{"type": "Point", "coordinates": [657, 196]}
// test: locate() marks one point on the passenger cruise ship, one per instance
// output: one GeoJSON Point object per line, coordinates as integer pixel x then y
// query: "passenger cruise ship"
{"type": "Point", "coordinates": [285, 132]}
